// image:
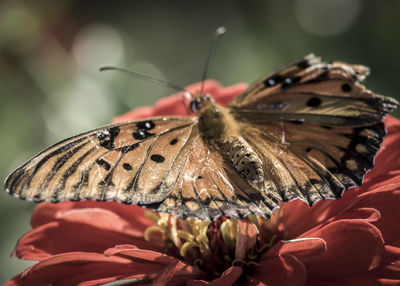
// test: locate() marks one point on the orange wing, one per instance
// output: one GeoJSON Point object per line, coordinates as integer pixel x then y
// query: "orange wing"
{"type": "Point", "coordinates": [159, 163]}
{"type": "Point", "coordinates": [104, 164]}
{"type": "Point", "coordinates": [312, 91]}
{"type": "Point", "coordinates": [312, 162]}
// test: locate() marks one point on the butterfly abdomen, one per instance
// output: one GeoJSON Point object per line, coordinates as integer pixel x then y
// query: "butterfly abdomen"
{"type": "Point", "coordinates": [244, 159]}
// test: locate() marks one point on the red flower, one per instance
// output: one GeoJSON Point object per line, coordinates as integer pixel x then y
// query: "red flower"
{"type": "Point", "coordinates": [351, 241]}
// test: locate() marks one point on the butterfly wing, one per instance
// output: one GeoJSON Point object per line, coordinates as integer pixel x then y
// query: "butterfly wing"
{"type": "Point", "coordinates": [312, 91]}
{"type": "Point", "coordinates": [311, 162]}
{"type": "Point", "coordinates": [315, 127]}
{"type": "Point", "coordinates": [159, 163]}
{"type": "Point", "coordinates": [105, 164]}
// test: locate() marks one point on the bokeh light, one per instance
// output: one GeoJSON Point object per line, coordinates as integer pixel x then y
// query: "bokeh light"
{"type": "Point", "coordinates": [328, 17]}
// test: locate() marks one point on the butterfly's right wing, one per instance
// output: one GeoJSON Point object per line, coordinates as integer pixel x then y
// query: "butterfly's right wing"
{"type": "Point", "coordinates": [159, 163]}
{"type": "Point", "coordinates": [309, 90]}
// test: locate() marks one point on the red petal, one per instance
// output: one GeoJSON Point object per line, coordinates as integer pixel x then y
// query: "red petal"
{"type": "Point", "coordinates": [353, 247]}
{"type": "Point", "coordinates": [387, 202]}
{"type": "Point", "coordinates": [133, 252]}
{"type": "Point", "coordinates": [229, 277]}
{"type": "Point", "coordinates": [81, 229]}
{"type": "Point", "coordinates": [281, 270]}
{"type": "Point", "coordinates": [368, 214]}
{"type": "Point", "coordinates": [175, 274]}
{"type": "Point", "coordinates": [303, 249]}
{"type": "Point", "coordinates": [74, 268]}
{"type": "Point", "coordinates": [93, 268]}
{"type": "Point", "coordinates": [47, 212]}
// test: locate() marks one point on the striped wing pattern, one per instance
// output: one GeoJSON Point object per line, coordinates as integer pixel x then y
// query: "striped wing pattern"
{"type": "Point", "coordinates": [313, 91]}
{"type": "Point", "coordinates": [105, 164]}
{"type": "Point", "coordinates": [310, 162]}
{"type": "Point", "coordinates": [159, 163]}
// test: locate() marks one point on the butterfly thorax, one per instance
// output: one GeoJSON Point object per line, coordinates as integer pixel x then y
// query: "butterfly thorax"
{"type": "Point", "coordinates": [215, 122]}
{"type": "Point", "coordinates": [218, 125]}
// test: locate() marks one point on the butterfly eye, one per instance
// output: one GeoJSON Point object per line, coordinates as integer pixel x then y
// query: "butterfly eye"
{"type": "Point", "coordinates": [195, 105]}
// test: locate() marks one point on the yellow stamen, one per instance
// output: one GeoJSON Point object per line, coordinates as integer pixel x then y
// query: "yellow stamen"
{"type": "Point", "coordinates": [203, 245]}
{"type": "Point", "coordinates": [186, 247]}
{"type": "Point", "coordinates": [186, 235]}
{"type": "Point", "coordinates": [152, 216]}
{"type": "Point", "coordinates": [150, 230]}
{"type": "Point", "coordinates": [228, 232]}
{"type": "Point", "coordinates": [163, 220]}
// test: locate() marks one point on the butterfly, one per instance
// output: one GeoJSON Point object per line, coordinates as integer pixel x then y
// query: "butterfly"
{"type": "Point", "coordinates": [308, 131]}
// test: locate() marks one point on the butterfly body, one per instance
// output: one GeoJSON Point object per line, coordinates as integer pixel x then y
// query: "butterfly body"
{"type": "Point", "coordinates": [308, 131]}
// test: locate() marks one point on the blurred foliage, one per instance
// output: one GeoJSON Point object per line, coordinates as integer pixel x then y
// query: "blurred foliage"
{"type": "Point", "coordinates": [50, 52]}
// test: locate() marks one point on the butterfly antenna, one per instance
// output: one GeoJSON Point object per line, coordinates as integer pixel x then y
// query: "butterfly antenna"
{"type": "Point", "coordinates": [219, 32]}
{"type": "Point", "coordinates": [148, 78]}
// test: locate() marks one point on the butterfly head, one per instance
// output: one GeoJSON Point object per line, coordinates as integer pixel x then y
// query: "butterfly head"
{"type": "Point", "coordinates": [199, 101]}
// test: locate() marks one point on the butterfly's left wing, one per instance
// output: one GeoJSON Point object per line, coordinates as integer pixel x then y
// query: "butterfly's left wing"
{"type": "Point", "coordinates": [313, 91]}
{"type": "Point", "coordinates": [159, 163]}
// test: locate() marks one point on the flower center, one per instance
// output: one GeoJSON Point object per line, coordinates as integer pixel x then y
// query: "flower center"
{"type": "Point", "coordinates": [213, 246]}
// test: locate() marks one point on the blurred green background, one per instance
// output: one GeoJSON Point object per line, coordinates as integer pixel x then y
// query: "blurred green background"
{"type": "Point", "coordinates": [50, 52]}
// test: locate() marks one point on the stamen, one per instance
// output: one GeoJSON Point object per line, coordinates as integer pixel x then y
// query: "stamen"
{"type": "Point", "coordinates": [150, 230]}
{"type": "Point", "coordinates": [228, 232]}
{"type": "Point", "coordinates": [212, 247]}
{"type": "Point", "coordinates": [186, 247]}
{"type": "Point", "coordinates": [152, 216]}
{"type": "Point", "coordinates": [267, 245]}
{"type": "Point", "coordinates": [186, 235]}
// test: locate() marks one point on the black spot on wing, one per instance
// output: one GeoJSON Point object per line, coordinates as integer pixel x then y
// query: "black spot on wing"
{"type": "Point", "coordinates": [314, 102]}
{"type": "Point", "coordinates": [141, 134]}
{"type": "Point", "coordinates": [157, 158]}
{"type": "Point", "coordinates": [145, 125]}
{"type": "Point", "coordinates": [273, 80]}
{"type": "Point", "coordinates": [103, 164]}
{"type": "Point", "coordinates": [290, 81]}
{"type": "Point", "coordinates": [127, 166]}
{"type": "Point", "coordinates": [303, 64]}
{"type": "Point", "coordinates": [297, 121]}
{"type": "Point", "coordinates": [173, 141]}
{"type": "Point", "coordinates": [106, 137]}
{"type": "Point", "coordinates": [346, 87]}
